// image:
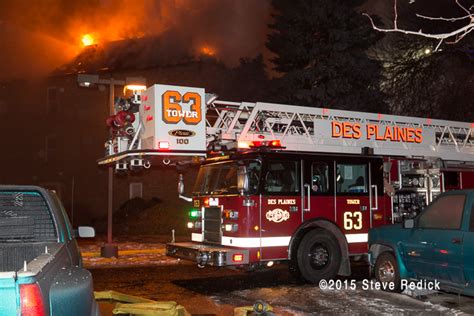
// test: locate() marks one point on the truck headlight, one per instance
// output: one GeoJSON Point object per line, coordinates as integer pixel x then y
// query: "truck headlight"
{"type": "Point", "coordinates": [195, 225]}
{"type": "Point", "coordinates": [231, 227]}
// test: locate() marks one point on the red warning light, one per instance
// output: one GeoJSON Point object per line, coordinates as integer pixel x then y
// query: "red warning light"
{"type": "Point", "coordinates": [268, 143]}
{"type": "Point", "coordinates": [275, 143]}
{"type": "Point", "coordinates": [163, 145]}
{"type": "Point", "coordinates": [238, 257]}
{"type": "Point", "coordinates": [149, 118]}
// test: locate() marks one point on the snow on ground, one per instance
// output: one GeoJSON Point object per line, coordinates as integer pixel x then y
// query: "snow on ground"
{"type": "Point", "coordinates": [308, 299]}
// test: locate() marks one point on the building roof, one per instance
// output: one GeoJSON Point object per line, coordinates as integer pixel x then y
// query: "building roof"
{"type": "Point", "coordinates": [135, 53]}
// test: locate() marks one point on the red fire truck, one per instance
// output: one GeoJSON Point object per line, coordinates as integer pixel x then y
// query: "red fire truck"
{"type": "Point", "coordinates": [283, 183]}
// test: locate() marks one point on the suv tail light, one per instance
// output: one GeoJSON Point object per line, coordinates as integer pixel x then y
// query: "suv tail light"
{"type": "Point", "coordinates": [31, 300]}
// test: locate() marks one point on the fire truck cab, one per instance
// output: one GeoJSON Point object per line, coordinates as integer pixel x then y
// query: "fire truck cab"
{"type": "Point", "coordinates": [264, 206]}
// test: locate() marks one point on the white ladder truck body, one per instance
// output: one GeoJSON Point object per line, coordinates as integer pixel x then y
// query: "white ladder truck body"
{"type": "Point", "coordinates": [290, 183]}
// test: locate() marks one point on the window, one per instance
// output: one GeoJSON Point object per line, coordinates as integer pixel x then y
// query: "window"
{"type": "Point", "coordinates": [3, 107]}
{"type": "Point", "coordinates": [25, 216]}
{"type": "Point", "coordinates": [136, 190]}
{"type": "Point", "coordinates": [445, 213]}
{"type": "Point", "coordinates": [282, 177]}
{"type": "Point", "coordinates": [351, 178]}
{"type": "Point", "coordinates": [221, 177]}
{"type": "Point", "coordinates": [451, 180]}
{"type": "Point", "coordinates": [51, 145]}
{"type": "Point", "coordinates": [319, 177]}
{"type": "Point", "coordinates": [52, 99]}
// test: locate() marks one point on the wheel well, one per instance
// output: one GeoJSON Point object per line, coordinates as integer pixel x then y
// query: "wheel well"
{"type": "Point", "coordinates": [377, 249]}
{"type": "Point", "coordinates": [345, 267]}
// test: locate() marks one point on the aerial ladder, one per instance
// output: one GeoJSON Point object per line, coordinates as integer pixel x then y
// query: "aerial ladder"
{"type": "Point", "coordinates": [179, 126]}
{"type": "Point", "coordinates": [182, 124]}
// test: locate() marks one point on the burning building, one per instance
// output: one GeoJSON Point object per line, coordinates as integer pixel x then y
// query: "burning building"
{"type": "Point", "coordinates": [66, 134]}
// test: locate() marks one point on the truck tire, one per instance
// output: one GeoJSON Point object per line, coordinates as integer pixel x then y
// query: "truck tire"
{"type": "Point", "coordinates": [386, 270]}
{"type": "Point", "coordinates": [318, 256]}
{"type": "Point", "coordinates": [294, 270]}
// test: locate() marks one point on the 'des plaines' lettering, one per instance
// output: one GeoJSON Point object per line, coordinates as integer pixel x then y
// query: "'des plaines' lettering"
{"type": "Point", "coordinates": [282, 201]}
{"type": "Point", "coordinates": [376, 132]}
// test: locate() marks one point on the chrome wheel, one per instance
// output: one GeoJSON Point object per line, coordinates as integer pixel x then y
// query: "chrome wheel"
{"type": "Point", "coordinates": [386, 272]}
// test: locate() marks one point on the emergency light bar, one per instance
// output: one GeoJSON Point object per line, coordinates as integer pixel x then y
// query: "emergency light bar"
{"type": "Point", "coordinates": [260, 144]}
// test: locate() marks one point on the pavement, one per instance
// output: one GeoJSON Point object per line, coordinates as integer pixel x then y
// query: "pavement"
{"type": "Point", "coordinates": [149, 251]}
{"type": "Point", "coordinates": [293, 299]}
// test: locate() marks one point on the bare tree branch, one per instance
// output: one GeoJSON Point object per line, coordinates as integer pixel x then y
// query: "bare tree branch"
{"type": "Point", "coordinates": [455, 35]}
{"type": "Point", "coordinates": [395, 20]}
{"type": "Point", "coordinates": [444, 19]}
{"type": "Point", "coordinates": [463, 7]}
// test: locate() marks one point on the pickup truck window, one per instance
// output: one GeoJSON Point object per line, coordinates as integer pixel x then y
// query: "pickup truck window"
{"type": "Point", "coordinates": [444, 213]}
{"type": "Point", "coordinates": [25, 216]}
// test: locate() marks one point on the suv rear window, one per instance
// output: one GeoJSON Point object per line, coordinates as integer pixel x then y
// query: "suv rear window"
{"type": "Point", "coordinates": [25, 215]}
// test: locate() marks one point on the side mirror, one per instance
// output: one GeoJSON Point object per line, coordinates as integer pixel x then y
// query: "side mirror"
{"type": "Point", "coordinates": [387, 166]}
{"type": "Point", "coordinates": [242, 180]}
{"type": "Point", "coordinates": [409, 223]}
{"type": "Point", "coordinates": [181, 189]}
{"type": "Point", "coordinates": [181, 184]}
{"type": "Point", "coordinates": [85, 232]}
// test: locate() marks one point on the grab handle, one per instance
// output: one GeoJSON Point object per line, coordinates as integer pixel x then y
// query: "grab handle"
{"type": "Point", "coordinates": [308, 198]}
{"type": "Point", "coordinates": [376, 198]}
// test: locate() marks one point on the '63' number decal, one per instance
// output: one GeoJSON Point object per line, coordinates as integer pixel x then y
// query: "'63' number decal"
{"type": "Point", "coordinates": [353, 220]}
{"type": "Point", "coordinates": [173, 111]}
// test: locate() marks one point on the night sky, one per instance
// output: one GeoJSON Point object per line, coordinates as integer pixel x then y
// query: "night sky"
{"type": "Point", "coordinates": [39, 36]}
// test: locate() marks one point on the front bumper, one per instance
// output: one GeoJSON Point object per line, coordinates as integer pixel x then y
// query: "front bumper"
{"type": "Point", "coordinates": [211, 255]}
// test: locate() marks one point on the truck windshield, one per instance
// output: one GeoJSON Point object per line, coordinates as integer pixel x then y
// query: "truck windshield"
{"type": "Point", "coordinates": [221, 177]}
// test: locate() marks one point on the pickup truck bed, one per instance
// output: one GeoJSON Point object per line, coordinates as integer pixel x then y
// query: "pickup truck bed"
{"type": "Point", "coordinates": [13, 256]}
{"type": "Point", "coordinates": [41, 269]}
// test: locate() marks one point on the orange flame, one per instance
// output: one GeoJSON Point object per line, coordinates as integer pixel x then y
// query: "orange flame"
{"type": "Point", "coordinates": [207, 50]}
{"type": "Point", "coordinates": [87, 40]}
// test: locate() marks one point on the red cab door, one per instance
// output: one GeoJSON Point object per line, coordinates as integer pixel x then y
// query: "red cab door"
{"type": "Point", "coordinates": [358, 196]}
{"type": "Point", "coordinates": [280, 207]}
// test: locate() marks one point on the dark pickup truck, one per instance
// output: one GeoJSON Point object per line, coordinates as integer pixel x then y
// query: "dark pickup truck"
{"type": "Point", "coordinates": [41, 269]}
{"type": "Point", "coordinates": [438, 245]}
